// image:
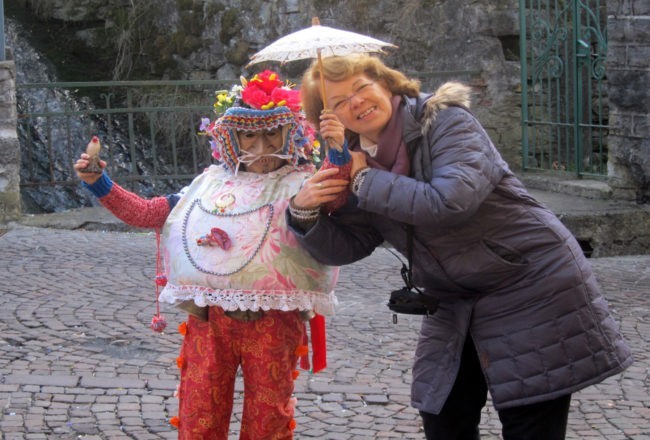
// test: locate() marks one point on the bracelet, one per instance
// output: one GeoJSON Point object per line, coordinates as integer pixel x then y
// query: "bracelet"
{"type": "Point", "coordinates": [303, 214]}
{"type": "Point", "coordinates": [357, 180]}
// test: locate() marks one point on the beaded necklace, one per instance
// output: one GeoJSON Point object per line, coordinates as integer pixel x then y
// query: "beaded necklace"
{"type": "Point", "coordinates": [218, 212]}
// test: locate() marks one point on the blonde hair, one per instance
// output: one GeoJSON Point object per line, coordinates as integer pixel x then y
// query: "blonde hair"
{"type": "Point", "coordinates": [341, 68]}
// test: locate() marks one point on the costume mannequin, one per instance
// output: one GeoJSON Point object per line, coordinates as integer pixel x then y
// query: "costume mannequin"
{"type": "Point", "coordinates": [233, 265]}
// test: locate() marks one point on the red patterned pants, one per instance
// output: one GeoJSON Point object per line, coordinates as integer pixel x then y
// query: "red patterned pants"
{"type": "Point", "coordinates": [211, 354]}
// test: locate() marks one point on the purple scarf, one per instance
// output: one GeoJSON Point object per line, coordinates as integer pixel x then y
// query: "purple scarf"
{"type": "Point", "coordinates": [391, 150]}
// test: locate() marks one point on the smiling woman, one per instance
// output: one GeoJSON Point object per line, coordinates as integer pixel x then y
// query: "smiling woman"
{"type": "Point", "coordinates": [517, 298]}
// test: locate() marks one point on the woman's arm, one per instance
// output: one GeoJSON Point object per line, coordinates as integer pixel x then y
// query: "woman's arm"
{"type": "Point", "coordinates": [338, 239]}
{"type": "Point", "coordinates": [465, 169]}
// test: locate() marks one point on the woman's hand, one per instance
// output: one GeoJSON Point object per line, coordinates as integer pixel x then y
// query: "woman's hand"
{"type": "Point", "coordinates": [82, 163]}
{"type": "Point", "coordinates": [331, 129]}
{"type": "Point", "coordinates": [319, 189]}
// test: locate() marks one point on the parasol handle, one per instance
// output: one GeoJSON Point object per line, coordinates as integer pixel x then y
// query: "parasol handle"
{"type": "Point", "coordinates": [329, 141]}
{"type": "Point", "coordinates": [322, 79]}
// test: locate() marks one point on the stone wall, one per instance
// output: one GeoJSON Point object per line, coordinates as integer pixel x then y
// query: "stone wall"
{"type": "Point", "coordinates": [628, 74]}
{"type": "Point", "coordinates": [10, 206]}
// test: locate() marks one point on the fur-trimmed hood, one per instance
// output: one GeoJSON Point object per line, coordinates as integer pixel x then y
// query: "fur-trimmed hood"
{"type": "Point", "coordinates": [448, 94]}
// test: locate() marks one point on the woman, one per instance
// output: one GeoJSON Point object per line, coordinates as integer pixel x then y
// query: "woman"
{"type": "Point", "coordinates": [233, 265]}
{"type": "Point", "coordinates": [520, 314]}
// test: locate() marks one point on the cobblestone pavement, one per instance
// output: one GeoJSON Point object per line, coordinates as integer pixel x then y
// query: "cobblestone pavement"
{"type": "Point", "coordinates": [78, 361]}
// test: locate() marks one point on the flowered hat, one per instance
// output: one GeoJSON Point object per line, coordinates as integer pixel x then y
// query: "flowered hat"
{"type": "Point", "coordinates": [262, 103]}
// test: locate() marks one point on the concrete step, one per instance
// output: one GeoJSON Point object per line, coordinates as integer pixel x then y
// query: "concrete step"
{"type": "Point", "coordinates": [587, 188]}
{"type": "Point", "coordinates": [605, 222]}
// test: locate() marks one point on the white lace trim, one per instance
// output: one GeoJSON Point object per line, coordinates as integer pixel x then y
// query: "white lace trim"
{"type": "Point", "coordinates": [241, 299]}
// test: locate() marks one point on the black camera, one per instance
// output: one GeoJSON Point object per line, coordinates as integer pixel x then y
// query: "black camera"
{"type": "Point", "coordinates": [409, 299]}
{"type": "Point", "coordinates": [411, 302]}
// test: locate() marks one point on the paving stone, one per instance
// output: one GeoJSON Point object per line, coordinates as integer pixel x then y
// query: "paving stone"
{"type": "Point", "coordinates": [84, 364]}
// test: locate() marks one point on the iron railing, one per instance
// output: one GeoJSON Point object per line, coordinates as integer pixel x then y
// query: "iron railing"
{"type": "Point", "coordinates": [148, 129]}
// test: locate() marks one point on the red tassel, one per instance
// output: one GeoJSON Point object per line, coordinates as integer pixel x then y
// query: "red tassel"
{"type": "Point", "coordinates": [318, 343]}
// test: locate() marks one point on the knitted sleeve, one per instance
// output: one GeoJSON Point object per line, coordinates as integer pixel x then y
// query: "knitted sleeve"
{"type": "Point", "coordinates": [129, 207]}
{"type": "Point", "coordinates": [134, 210]}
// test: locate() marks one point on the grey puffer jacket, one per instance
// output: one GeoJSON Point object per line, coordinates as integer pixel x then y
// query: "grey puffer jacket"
{"type": "Point", "coordinates": [506, 271]}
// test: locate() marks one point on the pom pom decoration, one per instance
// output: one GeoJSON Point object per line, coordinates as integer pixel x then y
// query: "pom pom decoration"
{"type": "Point", "coordinates": [343, 161]}
{"type": "Point", "coordinates": [161, 280]}
{"type": "Point", "coordinates": [301, 350]}
{"type": "Point", "coordinates": [158, 323]}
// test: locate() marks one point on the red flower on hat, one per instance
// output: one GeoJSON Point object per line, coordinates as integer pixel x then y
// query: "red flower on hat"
{"type": "Point", "coordinates": [266, 80]}
{"type": "Point", "coordinates": [287, 97]}
{"type": "Point", "coordinates": [256, 97]}
{"type": "Point", "coordinates": [265, 91]}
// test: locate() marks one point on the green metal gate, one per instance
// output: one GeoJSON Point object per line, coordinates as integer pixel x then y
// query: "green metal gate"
{"type": "Point", "coordinates": [564, 94]}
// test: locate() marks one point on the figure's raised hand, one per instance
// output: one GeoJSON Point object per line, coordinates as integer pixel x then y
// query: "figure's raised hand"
{"type": "Point", "coordinates": [89, 167]}
{"type": "Point", "coordinates": [82, 163]}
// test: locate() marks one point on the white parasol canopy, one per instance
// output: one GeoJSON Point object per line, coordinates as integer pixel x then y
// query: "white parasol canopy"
{"type": "Point", "coordinates": [318, 41]}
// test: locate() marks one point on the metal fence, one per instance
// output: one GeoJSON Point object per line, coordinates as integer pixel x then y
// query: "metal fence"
{"type": "Point", "coordinates": [148, 129]}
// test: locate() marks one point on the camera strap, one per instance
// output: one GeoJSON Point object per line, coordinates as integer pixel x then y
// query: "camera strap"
{"type": "Point", "coordinates": [407, 273]}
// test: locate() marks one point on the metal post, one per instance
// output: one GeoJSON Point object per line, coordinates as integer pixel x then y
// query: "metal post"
{"type": "Point", "coordinates": [524, 83]}
{"type": "Point", "coordinates": [2, 30]}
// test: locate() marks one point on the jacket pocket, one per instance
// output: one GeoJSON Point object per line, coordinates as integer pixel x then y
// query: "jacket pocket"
{"type": "Point", "coordinates": [489, 266]}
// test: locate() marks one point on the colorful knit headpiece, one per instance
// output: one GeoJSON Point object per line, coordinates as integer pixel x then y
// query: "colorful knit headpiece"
{"type": "Point", "coordinates": [262, 103]}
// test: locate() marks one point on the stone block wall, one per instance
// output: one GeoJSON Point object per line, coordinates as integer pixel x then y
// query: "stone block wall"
{"type": "Point", "coordinates": [10, 205]}
{"type": "Point", "coordinates": [628, 76]}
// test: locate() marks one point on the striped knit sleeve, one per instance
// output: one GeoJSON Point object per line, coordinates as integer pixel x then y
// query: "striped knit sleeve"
{"type": "Point", "coordinates": [131, 208]}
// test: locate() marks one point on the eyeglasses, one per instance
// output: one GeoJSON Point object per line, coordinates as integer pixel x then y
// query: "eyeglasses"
{"type": "Point", "coordinates": [362, 90]}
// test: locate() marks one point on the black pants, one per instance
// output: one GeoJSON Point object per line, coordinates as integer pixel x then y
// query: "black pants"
{"type": "Point", "coordinates": [461, 414]}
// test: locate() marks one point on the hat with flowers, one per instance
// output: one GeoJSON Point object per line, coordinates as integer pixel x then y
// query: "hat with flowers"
{"type": "Point", "coordinates": [262, 103]}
